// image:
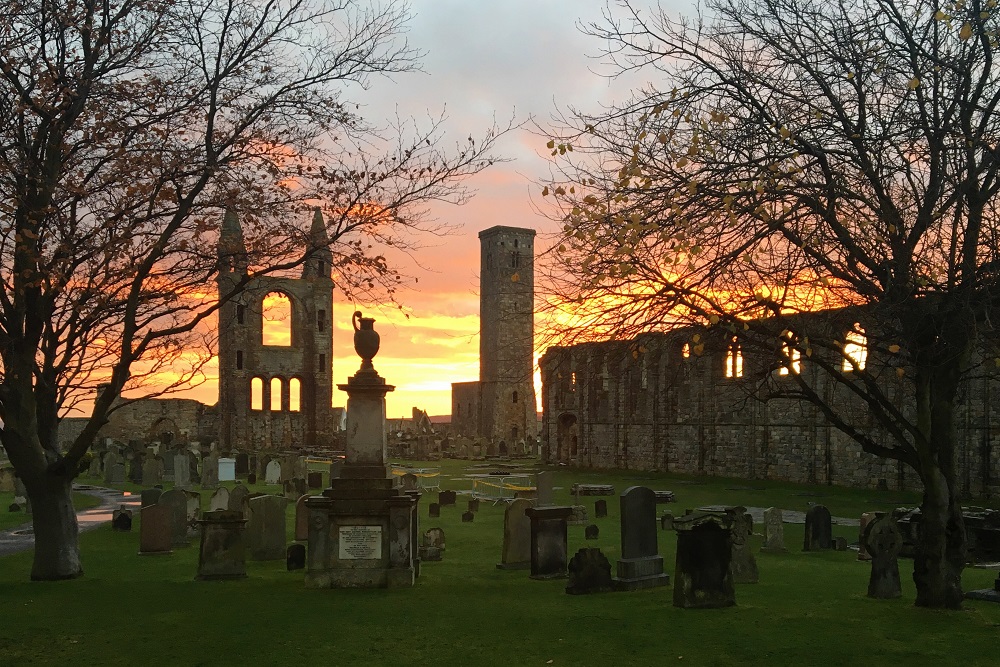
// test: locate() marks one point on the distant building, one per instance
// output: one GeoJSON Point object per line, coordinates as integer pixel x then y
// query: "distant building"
{"type": "Point", "coordinates": [501, 405]}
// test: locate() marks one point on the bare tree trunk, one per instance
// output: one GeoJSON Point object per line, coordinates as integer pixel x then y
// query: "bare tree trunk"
{"type": "Point", "coordinates": [940, 553]}
{"type": "Point", "coordinates": [57, 547]}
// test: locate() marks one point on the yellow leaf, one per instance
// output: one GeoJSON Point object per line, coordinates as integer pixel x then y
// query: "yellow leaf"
{"type": "Point", "coordinates": [894, 348]}
{"type": "Point", "coordinates": [551, 144]}
{"type": "Point", "coordinates": [966, 31]}
{"type": "Point", "coordinates": [850, 75]}
{"type": "Point", "coordinates": [914, 83]}
{"type": "Point", "coordinates": [900, 372]}
{"type": "Point", "coordinates": [785, 133]}
{"type": "Point", "coordinates": [514, 278]}
{"type": "Point", "coordinates": [695, 338]}
{"type": "Point", "coordinates": [714, 319]}
{"type": "Point", "coordinates": [698, 349]}
{"type": "Point", "coordinates": [941, 16]}
{"type": "Point", "coordinates": [683, 162]}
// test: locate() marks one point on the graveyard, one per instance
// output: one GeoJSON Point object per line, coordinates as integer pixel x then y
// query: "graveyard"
{"type": "Point", "coordinates": [806, 607]}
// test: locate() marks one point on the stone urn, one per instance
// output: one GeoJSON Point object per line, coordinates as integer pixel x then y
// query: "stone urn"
{"type": "Point", "coordinates": [366, 339]}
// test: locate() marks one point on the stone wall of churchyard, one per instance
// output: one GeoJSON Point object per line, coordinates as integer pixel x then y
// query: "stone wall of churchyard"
{"type": "Point", "coordinates": [167, 420]}
{"type": "Point", "coordinates": [652, 404]}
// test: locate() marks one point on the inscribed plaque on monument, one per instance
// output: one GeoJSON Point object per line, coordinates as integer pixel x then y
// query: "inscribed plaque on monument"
{"type": "Point", "coordinates": [360, 542]}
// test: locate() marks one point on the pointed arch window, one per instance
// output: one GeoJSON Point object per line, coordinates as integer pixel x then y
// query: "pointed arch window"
{"type": "Point", "coordinates": [791, 359]}
{"type": "Point", "coordinates": [734, 359]}
{"type": "Point", "coordinates": [855, 350]}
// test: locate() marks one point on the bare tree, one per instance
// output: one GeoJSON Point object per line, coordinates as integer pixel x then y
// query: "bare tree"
{"type": "Point", "coordinates": [127, 129]}
{"type": "Point", "coordinates": [794, 156]}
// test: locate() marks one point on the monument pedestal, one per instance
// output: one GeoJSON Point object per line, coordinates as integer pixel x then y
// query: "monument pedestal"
{"type": "Point", "coordinates": [638, 573]}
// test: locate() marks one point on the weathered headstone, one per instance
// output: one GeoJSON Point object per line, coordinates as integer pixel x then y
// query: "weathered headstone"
{"type": "Point", "coordinates": [433, 510]}
{"type": "Point", "coordinates": [742, 562]}
{"type": "Point", "coordinates": [135, 468]}
{"type": "Point", "coordinates": [600, 508]}
{"type": "Point", "coordinates": [589, 572]}
{"type": "Point", "coordinates": [434, 537]}
{"type": "Point", "coordinates": [239, 498]}
{"type": "Point", "coordinates": [315, 479]}
{"type": "Point", "coordinates": [578, 517]}
{"type": "Point", "coordinates": [301, 519]}
{"type": "Point", "coordinates": [193, 511]}
{"type": "Point", "coordinates": [591, 532]}
{"type": "Point", "coordinates": [210, 472]}
{"type": "Point", "coordinates": [221, 554]}
{"type": "Point", "coordinates": [702, 576]}
{"type": "Point", "coordinates": [640, 566]}
{"type": "Point", "coordinates": [121, 520]}
{"type": "Point", "coordinates": [168, 466]}
{"type": "Point", "coordinates": [6, 480]}
{"type": "Point", "coordinates": [468, 517]}
{"type": "Point", "coordinates": [548, 541]}
{"type": "Point", "coordinates": [866, 519]}
{"type": "Point", "coordinates": [176, 502]}
{"type": "Point", "coordinates": [266, 528]}
{"type": "Point", "coordinates": [110, 461]}
{"type": "Point", "coordinates": [516, 553]}
{"type": "Point", "coordinates": [151, 471]}
{"type": "Point", "coordinates": [474, 504]}
{"type": "Point", "coordinates": [149, 497]}
{"type": "Point", "coordinates": [447, 498]}
{"type": "Point", "coordinates": [251, 478]}
{"type": "Point", "coordinates": [295, 557]}
{"type": "Point", "coordinates": [839, 543]}
{"type": "Point", "coordinates": [819, 529]}
{"type": "Point", "coordinates": [409, 482]}
{"type": "Point", "coordinates": [774, 531]}
{"type": "Point", "coordinates": [182, 469]}
{"type": "Point", "coordinates": [336, 466]}
{"type": "Point", "coordinates": [272, 474]}
{"type": "Point", "coordinates": [883, 541]}
{"type": "Point", "coordinates": [219, 500]}
{"type": "Point", "coordinates": [545, 494]}
{"type": "Point", "coordinates": [242, 465]}
{"type": "Point", "coordinates": [667, 521]}
{"type": "Point", "coordinates": [155, 530]}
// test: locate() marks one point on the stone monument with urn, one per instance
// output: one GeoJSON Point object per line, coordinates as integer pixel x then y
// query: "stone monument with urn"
{"type": "Point", "coordinates": [361, 529]}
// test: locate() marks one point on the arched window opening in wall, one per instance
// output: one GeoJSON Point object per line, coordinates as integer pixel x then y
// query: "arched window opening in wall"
{"type": "Point", "coordinates": [239, 360]}
{"type": "Point", "coordinates": [514, 397]}
{"type": "Point", "coordinates": [458, 409]}
{"type": "Point", "coordinates": [294, 395]}
{"type": "Point", "coordinates": [515, 260]}
{"type": "Point", "coordinates": [790, 356]}
{"type": "Point", "coordinates": [275, 394]}
{"type": "Point", "coordinates": [855, 350]}
{"type": "Point", "coordinates": [513, 434]}
{"type": "Point", "coordinates": [276, 320]}
{"type": "Point", "coordinates": [322, 363]}
{"type": "Point", "coordinates": [734, 360]}
{"type": "Point", "coordinates": [241, 313]}
{"type": "Point", "coordinates": [256, 394]}
{"type": "Point", "coordinates": [321, 320]}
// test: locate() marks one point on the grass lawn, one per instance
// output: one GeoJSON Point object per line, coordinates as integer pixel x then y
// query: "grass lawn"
{"type": "Point", "coordinates": [808, 609]}
{"type": "Point", "coordinates": [9, 520]}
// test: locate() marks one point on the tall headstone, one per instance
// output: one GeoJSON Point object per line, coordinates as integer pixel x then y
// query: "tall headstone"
{"type": "Point", "coordinates": [600, 508]}
{"type": "Point", "coordinates": [545, 493]}
{"type": "Point", "coordinates": [152, 471]}
{"type": "Point", "coordinates": [176, 502]}
{"type": "Point", "coordinates": [819, 529]}
{"type": "Point", "coordinates": [301, 519]}
{"type": "Point", "coordinates": [168, 466]}
{"type": "Point", "coordinates": [702, 576]}
{"type": "Point", "coordinates": [239, 498]}
{"type": "Point", "coordinates": [866, 519]}
{"type": "Point", "coordinates": [219, 500]}
{"type": "Point", "coordinates": [548, 541]}
{"type": "Point", "coordinates": [193, 512]}
{"type": "Point", "coordinates": [742, 563]}
{"type": "Point", "coordinates": [182, 470]}
{"type": "Point", "coordinates": [111, 459]}
{"type": "Point", "coordinates": [155, 531]}
{"type": "Point", "coordinates": [589, 572]}
{"type": "Point", "coordinates": [883, 541]}
{"type": "Point", "coordinates": [222, 554]}
{"type": "Point", "coordinates": [641, 566]}
{"type": "Point", "coordinates": [266, 528]}
{"type": "Point", "coordinates": [315, 479]}
{"type": "Point", "coordinates": [336, 466]}
{"type": "Point", "coordinates": [774, 531]}
{"type": "Point", "coordinates": [210, 472]}
{"type": "Point", "coordinates": [242, 464]}
{"type": "Point", "coordinates": [516, 551]}
{"type": "Point", "coordinates": [272, 474]}
{"type": "Point", "coordinates": [433, 510]}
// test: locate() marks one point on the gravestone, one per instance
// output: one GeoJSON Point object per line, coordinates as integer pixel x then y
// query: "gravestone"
{"type": "Point", "coordinates": [110, 461]}
{"type": "Point", "coordinates": [774, 531]}
{"type": "Point", "coordinates": [702, 576]}
{"type": "Point", "coordinates": [667, 521]}
{"type": "Point", "coordinates": [468, 517]}
{"type": "Point", "coordinates": [600, 508]}
{"type": "Point", "coordinates": [227, 470]}
{"type": "Point", "coordinates": [219, 500]}
{"type": "Point", "coordinates": [149, 497]}
{"type": "Point", "coordinates": [155, 530]}
{"type": "Point", "coordinates": [14, 506]}
{"type": "Point", "coordinates": [242, 465]}
{"type": "Point", "coordinates": [176, 502]}
{"type": "Point", "coordinates": [589, 572]}
{"type": "Point", "coordinates": [251, 478]}
{"type": "Point", "coordinates": [742, 563]}
{"type": "Point", "coordinates": [336, 466]}
{"type": "Point", "coordinates": [221, 553]}
{"type": "Point", "coordinates": [295, 557]}
{"type": "Point", "coordinates": [839, 543]}
{"type": "Point", "coordinates": [434, 537]}
{"type": "Point", "coordinates": [543, 489]}
{"type": "Point", "coordinates": [819, 529]}
{"type": "Point", "coordinates": [121, 520]}
{"type": "Point", "coordinates": [883, 541]}
{"type": "Point", "coordinates": [168, 466]}
{"type": "Point", "coordinates": [290, 492]}
{"type": "Point", "coordinates": [210, 472]}
{"type": "Point", "coordinates": [315, 479]}
{"type": "Point", "coordinates": [447, 498]}
{"type": "Point", "coordinates": [239, 497]}
{"type": "Point", "coordinates": [272, 474]}
{"type": "Point", "coordinates": [94, 470]}
{"type": "Point", "coordinates": [193, 510]}
{"type": "Point", "coordinates": [516, 550]}
{"type": "Point", "coordinates": [266, 528]}
{"type": "Point", "coordinates": [409, 482]}
{"type": "Point", "coordinates": [474, 505]}
{"type": "Point", "coordinates": [579, 516]}
{"type": "Point", "coordinates": [591, 532]}
{"type": "Point", "coordinates": [182, 469]}
{"type": "Point", "coordinates": [135, 468]}
{"type": "Point", "coordinates": [548, 541]}
{"type": "Point", "coordinates": [6, 480]}
{"type": "Point", "coordinates": [301, 519]}
{"type": "Point", "coordinates": [640, 566]}
{"type": "Point", "coordinates": [433, 510]}
{"type": "Point", "coordinates": [866, 519]}
{"type": "Point", "coordinates": [152, 472]}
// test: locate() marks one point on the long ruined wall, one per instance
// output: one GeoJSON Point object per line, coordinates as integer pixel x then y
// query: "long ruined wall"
{"type": "Point", "coordinates": [650, 404]}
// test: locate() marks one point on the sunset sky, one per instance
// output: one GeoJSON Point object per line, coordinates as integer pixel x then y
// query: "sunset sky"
{"type": "Point", "coordinates": [520, 58]}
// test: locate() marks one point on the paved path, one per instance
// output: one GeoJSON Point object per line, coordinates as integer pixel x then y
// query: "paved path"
{"type": "Point", "coordinates": [22, 538]}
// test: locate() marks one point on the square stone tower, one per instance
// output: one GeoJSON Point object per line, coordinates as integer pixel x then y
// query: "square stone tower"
{"type": "Point", "coordinates": [507, 409]}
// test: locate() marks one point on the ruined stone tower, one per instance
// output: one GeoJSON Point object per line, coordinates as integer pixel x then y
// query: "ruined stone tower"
{"type": "Point", "coordinates": [275, 394]}
{"type": "Point", "coordinates": [506, 338]}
